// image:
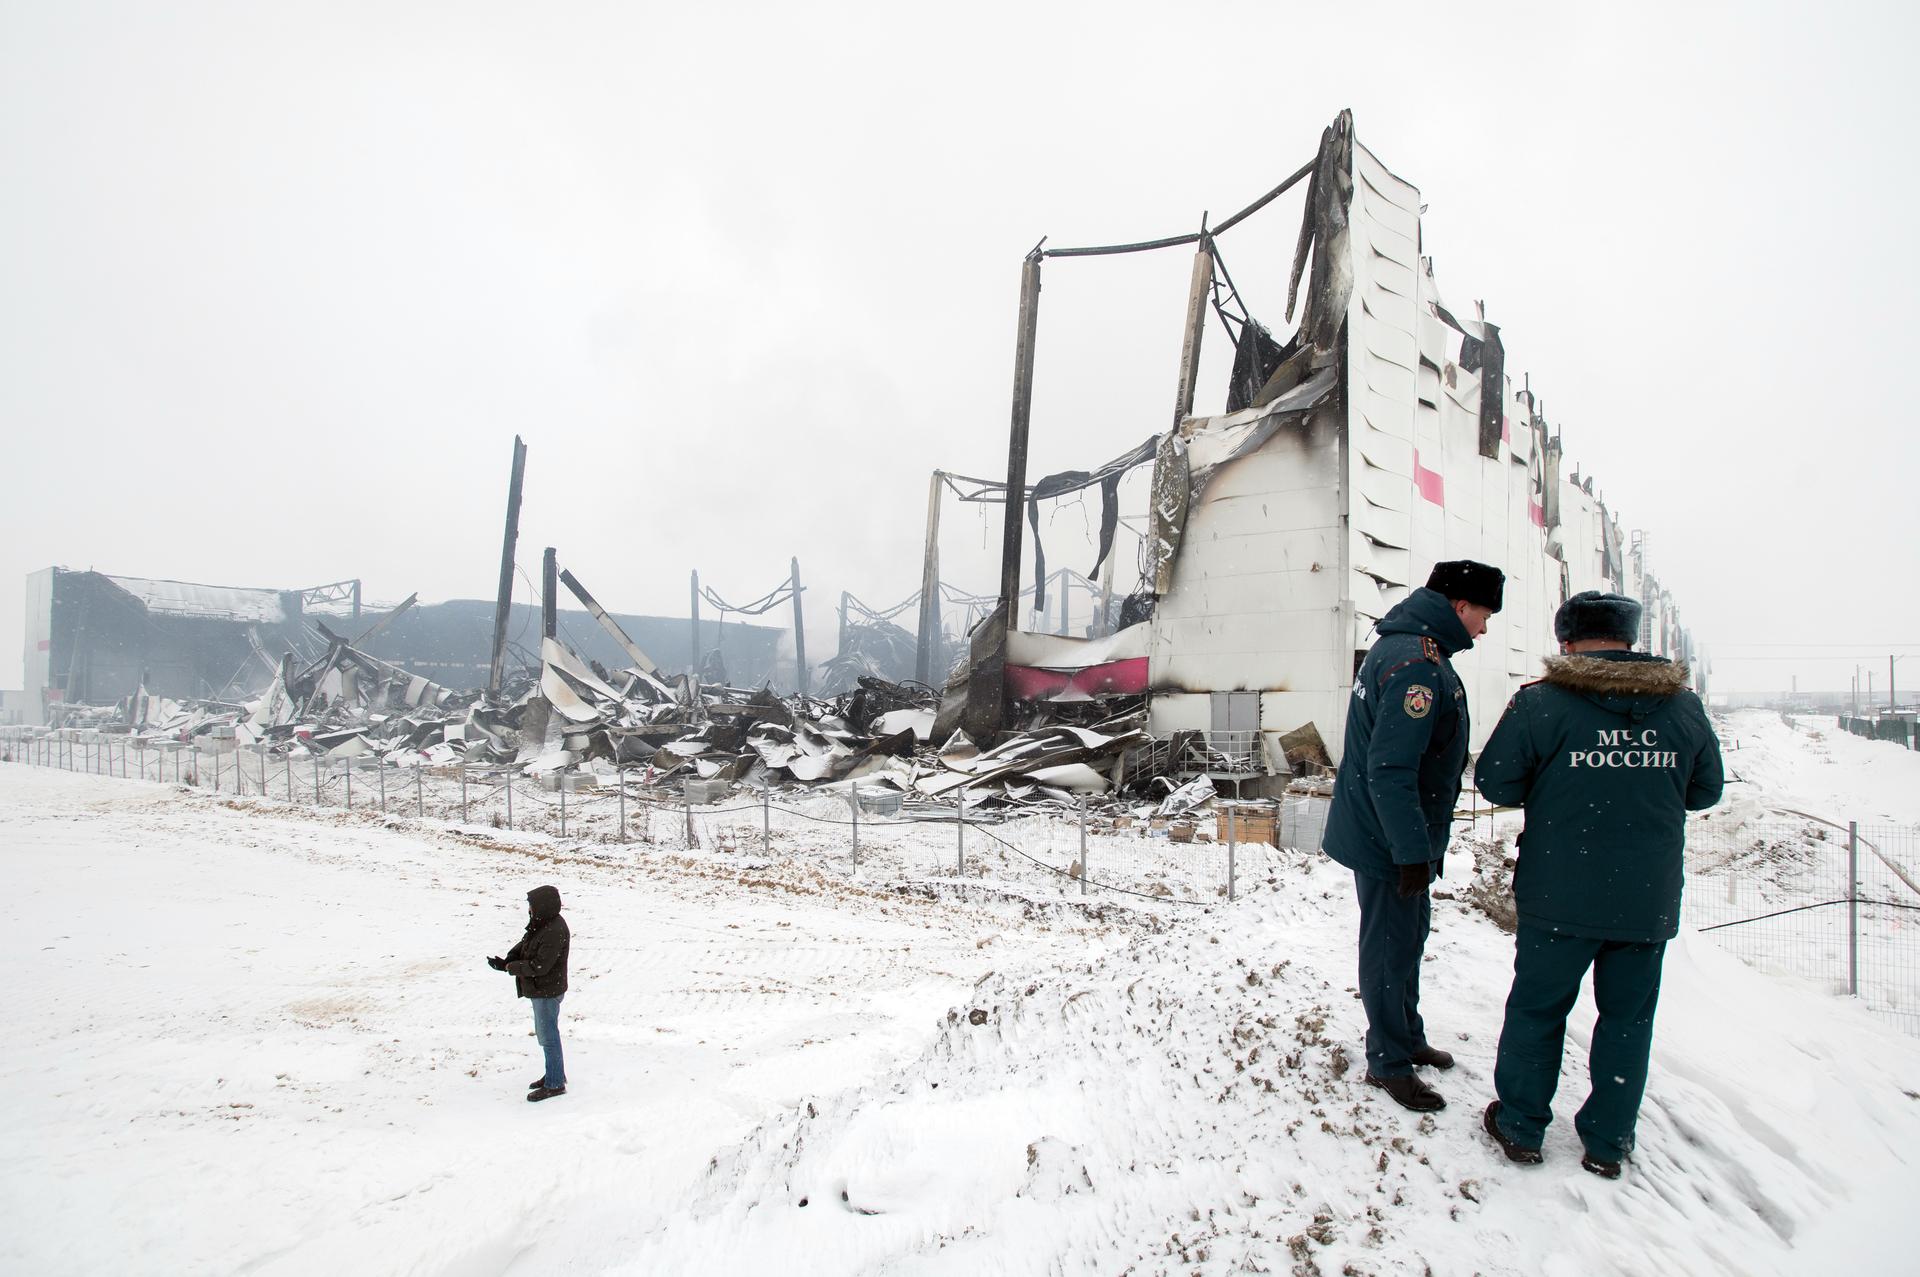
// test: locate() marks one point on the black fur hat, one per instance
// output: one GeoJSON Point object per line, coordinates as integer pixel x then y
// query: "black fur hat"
{"type": "Point", "coordinates": [1592, 614]}
{"type": "Point", "coordinates": [1469, 582]}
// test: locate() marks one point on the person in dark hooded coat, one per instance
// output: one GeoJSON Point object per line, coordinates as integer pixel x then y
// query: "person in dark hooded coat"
{"type": "Point", "coordinates": [1607, 754]}
{"type": "Point", "coordinates": [1393, 799]}
{"type": "Point", "coordinates": [538, 965]}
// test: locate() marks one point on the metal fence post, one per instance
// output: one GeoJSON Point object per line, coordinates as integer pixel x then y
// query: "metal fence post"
{"type": "Point", "coordinates": [216, 771]}
{"type": "Point", "coordinates": [686, 797]}
{"type": "Point", "coordinates": [1233, 838]}
{"type": "Point", "coordinates": [316, 780]}
{"type": "Point", "coordinates": [562, 782]}
{"type": "Point", "coordinates": [1083, 844]}
{"type": "Point", "coordinates": [853, 792]}
{"type": "Point", "coordinates": [766, 816]}
{"type": "Point", "coordinates": [383, 786]}
{"type": "Point", "coordinates": [509, 799]}
{"type": "Point", "coordinates": [463, 791]}
{"type": "Point", "coordinates": [348, 767]}
{"type": "Point", "coordinates": [289, 763]}
{"type": "Point", "coordinates": [1853, 908]}
{"type": "Point", "coordinates": [419, 798]}
{"type": "Point", "coordinates": [620, 773]}
{"type": "Point", "coordinates": [960, 835]}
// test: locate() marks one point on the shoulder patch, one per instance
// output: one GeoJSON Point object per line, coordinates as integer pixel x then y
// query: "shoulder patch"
{"type": "Point", "coordinates": [1430, 649]}
{"type": "Point", "coordinates": [1418, 701]}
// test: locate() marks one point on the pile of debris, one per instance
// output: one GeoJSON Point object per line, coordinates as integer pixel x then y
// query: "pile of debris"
{"type": "Point", "coordinates": [576, 723]}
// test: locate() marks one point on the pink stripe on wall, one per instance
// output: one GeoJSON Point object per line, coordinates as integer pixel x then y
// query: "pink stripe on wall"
{"type": "Point", "coordinates": [1539, 513]}
{"type": "Point", "coordinates": [1125, 677]}
{"type": "Point", "coordinates": [1432, 485]}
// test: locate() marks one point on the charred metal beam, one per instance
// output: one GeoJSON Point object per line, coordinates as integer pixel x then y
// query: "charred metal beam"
{"type": "Point", "coordinates": [380, 625]}
{"type": "Point", "coordinates": [549, 600]}
{"type": "Point", "coordinates": [503, 598]}
{"type": "Point", "coordinates": [1174, 241]}
{"type": "Point", "coordinates": [1010, 544]}
{"type": "Point", "coordinates": [693, 641]}
{"type": "Point", "coordinates": [1199, 288]}
{"type": "Point", "coordinates": [929, 627]}
{"type": "Point", "coordinates": [611, 626]}
{"type": "Point", "coordinates": [799, 634]}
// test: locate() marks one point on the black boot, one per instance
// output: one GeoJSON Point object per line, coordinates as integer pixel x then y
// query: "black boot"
{"type": "Point", "coordinates": [1605, 1170]}
{"type": "Point", "coordinates": [1409, 1092]}
{"type": "Point", "coordinates": [537, 1083]}
{"type": "Point", "coordinates": [1433, 1057]}
{"type": "Point", "coordinates": [539, 1093]}
{"type": "Point", "coordinates": [1518, 1153]}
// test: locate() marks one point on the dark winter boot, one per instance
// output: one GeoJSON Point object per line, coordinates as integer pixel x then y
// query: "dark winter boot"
{"type": "Point", "coordinates": [1409, 1092]}
{"type": "Point", "coordinates": [1518, 1153]}
{"type": "Point", "coordinates": [537, 1083]}
{"type": "Point", "coordinates": [1605, 1170]}
{"type": "Point", "coordinates": [1433, 1057]}
{"type": "Point", "coordinates": [539, 1093]}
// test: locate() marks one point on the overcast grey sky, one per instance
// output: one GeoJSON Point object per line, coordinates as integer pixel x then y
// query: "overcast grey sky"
{"type": "Point", "coordinates": [279, 283]}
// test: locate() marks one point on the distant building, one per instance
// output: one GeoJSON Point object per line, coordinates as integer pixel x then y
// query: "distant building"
{"type": "Point", "coordinates": [96, 639]}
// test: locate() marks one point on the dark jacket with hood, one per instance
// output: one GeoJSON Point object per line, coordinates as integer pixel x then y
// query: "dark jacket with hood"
{"type": "Point", "coordinates": [1608, 753]}
{"type": "Point", "coordinates": [538, 963]}
{"type": "Point", "coordinates": [1406, 742]}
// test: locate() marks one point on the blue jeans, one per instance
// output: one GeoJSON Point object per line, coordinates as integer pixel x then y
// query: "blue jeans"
{"type": "Point", "coordinates": [546, 1030]}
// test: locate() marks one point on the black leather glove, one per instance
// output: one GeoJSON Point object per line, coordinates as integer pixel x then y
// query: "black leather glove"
{"type": "Point", "coordinates": [498, 964]}
{"type": "Point", "coordinates": [1413, 880]}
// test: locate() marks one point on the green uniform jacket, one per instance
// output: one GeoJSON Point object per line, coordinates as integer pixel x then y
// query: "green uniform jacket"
{"type": "Point", "coordinates": [1608, 753]}
{"type": "Point", "coordinates": [1406, 743]}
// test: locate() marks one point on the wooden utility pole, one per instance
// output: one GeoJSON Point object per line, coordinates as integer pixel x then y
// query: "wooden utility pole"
{"type": "Point", "coordinates": [503, 599]}
{"type": "Point", "coordinates": [929, 628]}
{"type": "Point", "coordinates": [799, 634]}
{"type": "Point", "coordinates": [1198, 289]}
{"type": "Point", "coordinates": [693, 641]}
{"type": "Point", "coordinates": [549, 596]}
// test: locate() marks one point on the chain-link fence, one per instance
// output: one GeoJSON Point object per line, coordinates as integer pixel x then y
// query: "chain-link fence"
{"type": "Point", "coordinates": [1801, 896]}
{"type": "Point", "coordinates": [1191, 858]}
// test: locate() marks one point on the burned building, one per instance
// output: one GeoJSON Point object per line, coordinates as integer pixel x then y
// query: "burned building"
{"type": "Point", "coordinates": [1386, 433]}
{"type": "Point", "coordinates": [451, 643]}
{"type": "Point", "coordinates": [97, 639]}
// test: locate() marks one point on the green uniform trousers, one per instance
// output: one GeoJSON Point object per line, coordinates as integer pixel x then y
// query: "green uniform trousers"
{"type": "Point", "coordinates": [1547, 971]}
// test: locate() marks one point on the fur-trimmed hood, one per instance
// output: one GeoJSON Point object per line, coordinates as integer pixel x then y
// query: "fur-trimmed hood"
{"type": "Point", "coordinates": [1617, 673]}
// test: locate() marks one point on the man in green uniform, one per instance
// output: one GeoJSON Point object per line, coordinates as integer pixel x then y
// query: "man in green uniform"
{"type": "Point", "coordinates": [1607, 753]}
{"type": "Point", "coordinates": [1393, 800]}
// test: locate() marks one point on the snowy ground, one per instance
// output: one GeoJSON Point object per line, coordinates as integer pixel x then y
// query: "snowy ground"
{"type": "Point", "coordinates": [253, 1039]}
